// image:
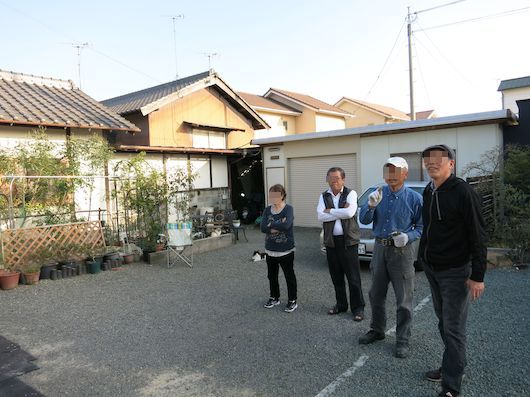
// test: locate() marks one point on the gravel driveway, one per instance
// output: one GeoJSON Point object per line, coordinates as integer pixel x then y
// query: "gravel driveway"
{"type": "Point", "coordinates": [151, 331]}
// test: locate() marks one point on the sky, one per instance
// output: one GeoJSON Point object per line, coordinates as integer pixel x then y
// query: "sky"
{"type": "Point", "coordinates": [326, 49]}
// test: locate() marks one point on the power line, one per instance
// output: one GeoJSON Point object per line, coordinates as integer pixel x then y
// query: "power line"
{"type": "Point", "coordinates": [385, 63]}
{"type": "Point", "coordinates": [500, 14]}
{"type": "Point", "coordinates": [440, 6]}
{"type": "Point", "coordinates": [442, 55]}
{"type": "Point", "coordinates": [71, 39]}
{"type": "Point", "coordinates": [422, 76]}
{"type": "Point", "coordinates": [124, 64]}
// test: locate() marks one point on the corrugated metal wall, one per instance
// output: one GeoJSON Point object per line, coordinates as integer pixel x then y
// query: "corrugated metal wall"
{"type": "Point", "coordinates": [307, 180]}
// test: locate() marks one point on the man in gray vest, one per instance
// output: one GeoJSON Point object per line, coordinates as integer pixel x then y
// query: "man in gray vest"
{"type": "Point", "coordinates": [337, 210]}
{"type": "Point", "coordinates": [395, 211]}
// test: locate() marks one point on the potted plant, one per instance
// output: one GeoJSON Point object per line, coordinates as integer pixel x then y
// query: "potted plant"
{"type": "Point", "coordinates": [8, 278]}
{"type": "Point", "coordinates": [127, 254]}
{"type": "Point", "coordinates": [31, 272]}
{"type": "Point", "coordinates": [93, 259]}
{"type": "Point", "coordinates": [48, 262]}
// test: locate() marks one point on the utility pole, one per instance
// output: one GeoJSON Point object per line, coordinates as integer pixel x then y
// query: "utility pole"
{"type": "Point", "coordinates": [410, 19]}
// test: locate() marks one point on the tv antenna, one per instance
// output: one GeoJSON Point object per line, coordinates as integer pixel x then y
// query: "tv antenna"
{"type": "Point", "coordinates": [174, 20]}
{"type": "Point", "coordinates": [210, 55]}
{"type": "Point", "coordinates": [80, 47]}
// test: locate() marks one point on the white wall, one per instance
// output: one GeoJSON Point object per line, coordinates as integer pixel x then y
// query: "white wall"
{"type": "Point", "coordinates": [470, 143]}
{"type": "Point", "coordinates": [329, 123]}
{"type": "Point", "coordinates": [510, 96]}
{"type": "Point", "coordinates": [276, 123]}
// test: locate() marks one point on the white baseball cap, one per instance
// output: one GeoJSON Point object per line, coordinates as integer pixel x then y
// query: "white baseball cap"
{"type": "Point", "coordinates": [397, 162]}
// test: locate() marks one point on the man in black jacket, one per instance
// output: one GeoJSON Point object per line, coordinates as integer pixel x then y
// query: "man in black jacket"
{"type": "Point", "coordinates": [453, 251]}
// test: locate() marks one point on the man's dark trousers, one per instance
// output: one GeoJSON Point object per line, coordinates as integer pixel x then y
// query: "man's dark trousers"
{"type": "Point", "coordinates": [344, 261]}
{"type": "Point", "coordinates": [451, 297]}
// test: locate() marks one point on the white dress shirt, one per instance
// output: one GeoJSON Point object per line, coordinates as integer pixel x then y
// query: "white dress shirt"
{"type": "Point", "coordinates": [336, 214]}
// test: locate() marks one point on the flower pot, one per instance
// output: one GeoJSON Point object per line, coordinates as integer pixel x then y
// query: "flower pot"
{"type": "Point", "coordinates": [128, 258]}
{"type": "Point", "coordinates": [45, 271]}
{"type": "Point", "coordinates": [111, 256]}
{"type": "Point", "coordinates": [236, 223]}
{"type": "Point", "coordinates": [9, 279]}
{"type": "Point", "coordinates": [93, 267]}
{"type": "Point", "coordinates": [32, 278]}
{"type": "Point", "coordinates": [159, 247]}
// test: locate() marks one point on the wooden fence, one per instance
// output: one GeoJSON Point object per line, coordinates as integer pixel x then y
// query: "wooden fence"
{"type": "Point", "coordinates": [21, 245]}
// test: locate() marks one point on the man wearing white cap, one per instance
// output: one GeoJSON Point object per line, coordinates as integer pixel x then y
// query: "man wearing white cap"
{"type": "Point", "coordinates": [395, 211]}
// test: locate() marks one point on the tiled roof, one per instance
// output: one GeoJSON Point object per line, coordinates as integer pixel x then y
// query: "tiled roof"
{"type": "Point", "coordinates": [134, 101]}
{"type": "Point", "coordinates": [41, 101]}
{"type": "Point", "coordinates": [385, 110]}
{"type": "Point", "coordinates": [424, 114]}
{"type": "Point", "coordinates": [258, 101]}
{"type": "Point", "coordinates": [308, 100]}
{"type": "Point", "coordinates": [520, 82]}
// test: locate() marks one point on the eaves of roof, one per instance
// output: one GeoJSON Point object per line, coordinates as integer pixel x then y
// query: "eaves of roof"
{"type": "Point", "coordinates": [176, 150]}
{"type": "Point", "coordinates": [520, 82]}
{"type": "Point", "coordinates": [493, 117]}
{"type": "Point", "coordinates": [258, 102]}
{"type": "Point", "coordinates": [379, 109]}
{"type": "Point", "coordinates": [308, 102]}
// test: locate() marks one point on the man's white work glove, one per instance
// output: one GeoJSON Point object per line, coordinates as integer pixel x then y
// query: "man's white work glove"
{"type": "Point", "coordinates": [375, 197]}
{"type": "Point", "coordinates": [400, 239]}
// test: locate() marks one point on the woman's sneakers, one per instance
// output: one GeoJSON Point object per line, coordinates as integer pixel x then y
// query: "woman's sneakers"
{"type": "Point", "coordinates": [291, 306]}
{"type": "Point", "coordinates": [271, 303]}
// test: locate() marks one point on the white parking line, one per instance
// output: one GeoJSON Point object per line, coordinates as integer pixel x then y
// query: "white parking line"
{"type": "Point", "coordinates": [329, 390]}
{"type": "Point", "coordinates": [418, 307]}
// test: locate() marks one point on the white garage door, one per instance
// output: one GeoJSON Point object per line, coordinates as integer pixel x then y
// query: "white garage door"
{"type": "Point", "coordinates": [307, 180]}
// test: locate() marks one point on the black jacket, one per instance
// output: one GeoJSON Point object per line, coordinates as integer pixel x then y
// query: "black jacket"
{"type": "Point", "coordinates": [453, 228]}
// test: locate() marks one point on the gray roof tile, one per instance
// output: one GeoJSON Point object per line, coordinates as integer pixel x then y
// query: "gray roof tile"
{"type": "Point", "coordinates": [134, 101]}
{"type": "Point", "coordinates": [34, 100]}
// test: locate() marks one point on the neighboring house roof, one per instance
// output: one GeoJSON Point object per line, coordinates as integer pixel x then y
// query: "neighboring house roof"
{"type": "Point", "coordinates": [261, 103]}
{"type": "Point", "coordinates": [385, 111]}
{"type": "Point", "coordinates": [493, 117]}
{"type": "Point", "coordinates": [520, 82]}
{"type": "Point", "coordinates": [151, 99]}
{"type": "Point", "coordinates": [47, 102]}
{"type": "Point", "coordinates": [424, 114]}
{"type": "Point", "coordinates": [307, 101]}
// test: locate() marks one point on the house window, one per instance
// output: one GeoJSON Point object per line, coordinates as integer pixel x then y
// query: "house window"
{"type": "Point", "coordinates": [205, 139]}
{"type": "Point", "coordinates": [415, 162]}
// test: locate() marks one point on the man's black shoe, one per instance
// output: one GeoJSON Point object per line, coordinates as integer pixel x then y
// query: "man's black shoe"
{"type": "Point", "coordinates": [402, 350]}
{"type": "Point", "coordinates": [448, 393]}
{"type": "Point", "coordinates": [435, 375]}
{"type": "Point", "coordinates": [370, 337]}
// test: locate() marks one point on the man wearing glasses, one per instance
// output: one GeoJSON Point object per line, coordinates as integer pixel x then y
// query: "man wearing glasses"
{"type": "Point", "coordinates": [453, 251]}
{"type": "Point", "coordinates": [395, 211]}
{"type": "Point", "coordinates": [337, 210]}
